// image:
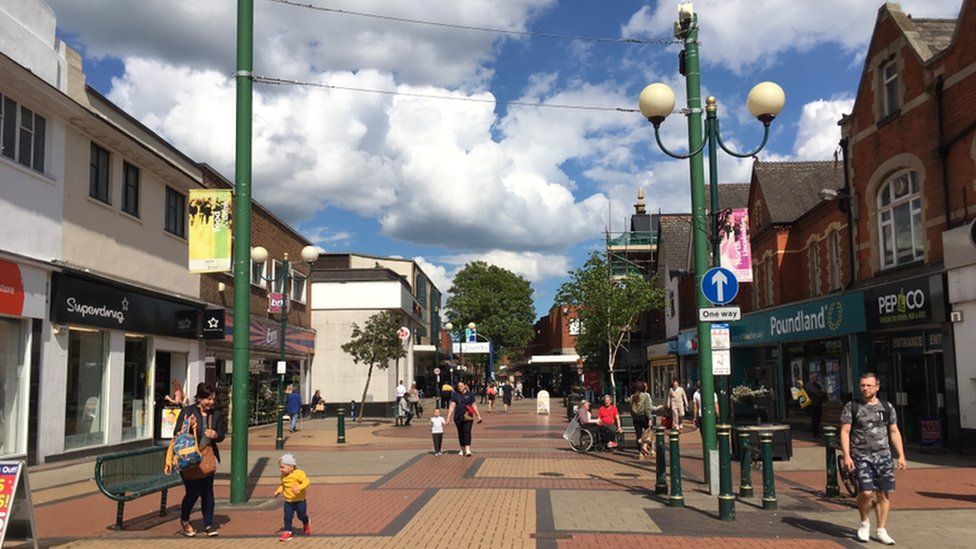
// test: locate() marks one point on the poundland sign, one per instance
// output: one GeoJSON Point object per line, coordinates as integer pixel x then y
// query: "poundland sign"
{"type": "Point", "coordinates": [834, 316]}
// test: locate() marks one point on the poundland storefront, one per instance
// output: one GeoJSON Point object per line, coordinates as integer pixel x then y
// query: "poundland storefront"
{"type": "Point", "coordinates": [778, 347]}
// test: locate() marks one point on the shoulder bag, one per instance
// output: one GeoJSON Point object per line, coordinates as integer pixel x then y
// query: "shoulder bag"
{"type": "Point", "coordinates": [208, 461]}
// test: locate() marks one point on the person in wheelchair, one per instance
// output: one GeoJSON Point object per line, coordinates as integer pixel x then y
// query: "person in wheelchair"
{"type": "Point", "coordinates": [610, 425]}
{"type": "Point", "coordinates": [583, 415]}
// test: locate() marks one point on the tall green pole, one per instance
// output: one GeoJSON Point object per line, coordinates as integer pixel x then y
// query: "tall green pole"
{"type": "Point", "coordinates": [711, 128]}
{"type": "Point", "coordinates": [701, 251]}
{"type": "Point", "coordinates": [283, 317]}
{"type": "Point", "coordinates": [242, 251]}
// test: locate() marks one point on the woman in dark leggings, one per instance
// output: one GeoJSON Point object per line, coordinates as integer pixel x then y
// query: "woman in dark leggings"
{"type": "Point", "coordinates": [461, 401]}
{"type": "Point", "coordinates": [210, 430]}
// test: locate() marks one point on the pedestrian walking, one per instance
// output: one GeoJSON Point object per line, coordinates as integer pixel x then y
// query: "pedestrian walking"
{"type": "Point", "coordinates": [869, 428]}
{"type": "Point", "coordinates": [293, 405]}
{"type": "Point", "coordinates": [401, 390]}
{"type": "Point", "coordinates": [317, 405]}
{"type": "Point", "coordinates": [696, 400]}
{"type": "Point", "coordinates": [207, 426]}
{"type": "Point", "coordinates": [642, 412]}
{"type": "Point", "coordinates": [507, 391]}
{"type": "Point", "coordinates": [677, 403]}
{"type": "Point", "coordinates": [413, 398]}
{"type": "Point", "coordinates": [818, 397]}
{"type": "Point", "coordinates": [437, 430]}
{"type": "Point", "coordinates": [463, 411]}
{"type": "Point", "coordinates": [518, 391]}
{"type": "Point", "coordinates": [492, 395]}
{"type": "Point", "coordinates": [293, 485]}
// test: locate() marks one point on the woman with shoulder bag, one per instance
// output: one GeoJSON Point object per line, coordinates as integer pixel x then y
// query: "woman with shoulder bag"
{"type": "Point", "coordinates": [463, 411]}
{"type": "Point", "coordinates": [642, 412]}
{"type": "Point", "coordinates": [206, 425]}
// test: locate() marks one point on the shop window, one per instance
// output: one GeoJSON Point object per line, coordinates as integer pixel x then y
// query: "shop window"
{"type": "Point", "coordinates": [175, 212]}
{"type": "Point", "coordinates": [889, 84]}
{"type": "Point", "coordinates": [84, 410]}
{"type": "Point", "coordinates": [900, 220]}
{"type": "Point", "coordinates": [22, 140]}
{"type": "Point", "coordinates": [98, 174]}
{"type": "Point", "coordinates": [137, 403]}
{"type": "Point", "coordinates": [298, 286]}
{"type": "Point", "coordinates": [833, 245]}
{"type": "Point", "coordinates": [813, 266]}
{"type": "Point", "coordinates": [13, 381]}
{"type": "Point", "coordinates": [130, 189]}
{"type": "Point", "coordinates": [277, 275]}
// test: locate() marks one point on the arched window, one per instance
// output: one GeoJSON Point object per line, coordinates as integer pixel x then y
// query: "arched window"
{"type": "Point", "coordinates": [900, 220]}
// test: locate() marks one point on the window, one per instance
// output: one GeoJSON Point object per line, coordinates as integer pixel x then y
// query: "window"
{"type": "Point", "coordinates": [900, 220]}
{"type": "Point", "coordinates": [258, 273]}
{"type": "Point", "coordinates": [277, 268]}
{"type": "Point", "coordinates": [175, 213]}
{"type": "Point", "coordinates": [813, 266]}
{"type": "Point", "coordinates": [130, 189]}
{"type": "Point", "coordinates": [298, 286]}
{"type": "Point", "coordinates": [768, 280]}
{"type": "Point", "coordinates": [23, 142]}
{"type": "Point", "coordinates": [833, 246]}
{"type": "Point", "coordinates": [98, 174]}
{"type": "Point", "coordinates": [889, 78]}
{"type": "Point", "coordinates": [13, 388]}
{"type": "Point", "coordinates": [84, 410]}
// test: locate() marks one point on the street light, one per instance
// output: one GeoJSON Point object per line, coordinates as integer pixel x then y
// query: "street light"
{"type": "Point", "coordinates": [259, 255]}
{"type": "Point", "coordinates": [656, 103]}
{"type": "Point", "coordinates": [490, 372]}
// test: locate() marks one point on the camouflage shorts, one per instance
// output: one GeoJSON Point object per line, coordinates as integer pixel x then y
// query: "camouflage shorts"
{"type": "Point", "coordinates": [875, 472]}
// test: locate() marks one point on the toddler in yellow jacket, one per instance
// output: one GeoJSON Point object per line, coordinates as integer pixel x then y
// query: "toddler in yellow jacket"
{"type": "Point", "coordinates": [294, 482]}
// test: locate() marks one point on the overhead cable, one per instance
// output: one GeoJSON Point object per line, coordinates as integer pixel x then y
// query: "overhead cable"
{"type": "Point", "coordinates": [553, 35]}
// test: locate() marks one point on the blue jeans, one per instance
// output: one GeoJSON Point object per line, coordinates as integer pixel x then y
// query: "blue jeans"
{"type": "Point", "coordinates": [292, 507]}
{"type": "Point", "coordinates": [294, 421]}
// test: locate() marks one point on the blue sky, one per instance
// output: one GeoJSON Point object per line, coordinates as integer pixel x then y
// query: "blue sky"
{"type": "Point", "coordinates": [448, 182]}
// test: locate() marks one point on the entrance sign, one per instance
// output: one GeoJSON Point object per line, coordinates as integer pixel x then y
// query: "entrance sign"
{"type": "Point", "coordinates": [16, 507]}
{"type": "Point", "coordinates": [719, 314]}
{"type": "Point", "coordinates": [719, 285]}
{"type": "Point", "coordinates": [542, 402]}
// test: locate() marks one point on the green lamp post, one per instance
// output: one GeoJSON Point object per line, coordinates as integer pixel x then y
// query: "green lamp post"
{"type": "Point", "coordinates": [656, 103]}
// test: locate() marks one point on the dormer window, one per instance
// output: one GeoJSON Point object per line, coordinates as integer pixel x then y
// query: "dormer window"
{"type": "Point", "coordinates": [889, 84]}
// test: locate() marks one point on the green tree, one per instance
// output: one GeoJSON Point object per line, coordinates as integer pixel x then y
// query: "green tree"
{"type": "Point", "coordinates": [375, 344]}
{"type": "Point", "coordinates": [498, 301]}
{"type": "Point", "coordinates": [608, 306]}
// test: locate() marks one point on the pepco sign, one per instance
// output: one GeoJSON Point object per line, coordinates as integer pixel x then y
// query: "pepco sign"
{"type": "Point", "coordinates": [908, 302]}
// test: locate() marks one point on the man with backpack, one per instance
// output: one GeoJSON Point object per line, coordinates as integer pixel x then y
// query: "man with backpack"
{"type": "Point", "coordinates": [866, 427]}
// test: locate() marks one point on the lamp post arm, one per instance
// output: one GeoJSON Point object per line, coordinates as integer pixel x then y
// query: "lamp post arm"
{"type": "Point", "coordinates": [657, 137]}
{"type": "Point", "coordinates": [754, 152]}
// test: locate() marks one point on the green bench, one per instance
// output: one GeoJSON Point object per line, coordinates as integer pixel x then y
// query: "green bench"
{"type": "Point", "coordinates": [125, 476]}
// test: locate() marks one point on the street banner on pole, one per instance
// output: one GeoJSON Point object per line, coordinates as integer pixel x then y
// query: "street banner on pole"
{"type": "Point", "coordinates": [734, 248]}
{"type": "Point", "coordinates": [276, 302]}
{"type": "Point", "coordinates": [210, 230]}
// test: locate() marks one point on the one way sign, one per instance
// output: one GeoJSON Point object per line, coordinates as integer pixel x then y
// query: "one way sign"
{"type": "Point", "coordinates": [719, 285]}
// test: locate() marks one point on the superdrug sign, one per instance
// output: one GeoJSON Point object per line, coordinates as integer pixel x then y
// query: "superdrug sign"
{"type": "Point", "coordinates": [78, 300]}
{"type": "Point", "coordinates": [906, 303]}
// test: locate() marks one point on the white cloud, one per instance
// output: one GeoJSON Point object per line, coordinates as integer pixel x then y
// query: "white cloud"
{"type": "Point", "coordinates": [437, 274]}
{"type": "Point", "coordinates": [740, 34]}
{"type": "Point", "coordinates": [532, 266]}
{"type": "Point", "coordinates": [323, 237]}
{"type": "Point", "coordinates": [818, 134]}
{"type": "Point", "coordinates": [295, 42]}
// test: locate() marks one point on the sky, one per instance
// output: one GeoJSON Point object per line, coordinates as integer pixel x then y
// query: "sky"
{"type": "Point", "coordinates": [469, 175]}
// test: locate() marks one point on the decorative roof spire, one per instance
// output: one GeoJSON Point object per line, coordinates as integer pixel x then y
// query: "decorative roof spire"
{"type": "Point", "coordinates": [639, 207]}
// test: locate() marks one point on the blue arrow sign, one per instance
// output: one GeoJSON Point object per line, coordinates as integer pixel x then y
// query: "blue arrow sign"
{"type": "Point", "coordinates": [719, 285]}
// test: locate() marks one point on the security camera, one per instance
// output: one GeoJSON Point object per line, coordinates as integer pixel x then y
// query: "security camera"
{"type": "Point", "coordinates": [828, 194]}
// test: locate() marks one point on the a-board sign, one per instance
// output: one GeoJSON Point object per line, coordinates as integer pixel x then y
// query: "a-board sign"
{"type": "Point", "coordinates": [16, 508]}
{"type": "Point", "coordinates": [542, 402]}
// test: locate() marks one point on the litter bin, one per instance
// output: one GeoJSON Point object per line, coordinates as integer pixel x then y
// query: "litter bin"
{"type": "Point", "coordinates": [782, 439]}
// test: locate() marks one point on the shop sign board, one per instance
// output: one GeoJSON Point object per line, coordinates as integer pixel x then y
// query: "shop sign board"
{"type": "Point", "coordinates": [212, 325]}
{"type": "Point", "coordinates": [477, 347]}
{"type": "Point", "coordinates": [823, 318]}
{"type": "Point", "coordinates": [906, 303]}
{"type": "Point", "coordinates": [16, 507]}
{"type": "Point", "coordinates": [77, 300]}
{"type": "Point", "coordinates": [22, 290]}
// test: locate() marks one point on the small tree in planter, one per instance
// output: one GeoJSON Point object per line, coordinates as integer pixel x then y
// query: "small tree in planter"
{"type": "Point", "coordinates": [375, 344]}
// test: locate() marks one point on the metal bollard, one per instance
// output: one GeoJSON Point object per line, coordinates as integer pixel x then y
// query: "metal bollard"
{"type": "Point", "coordinates": [726, 499]}
{"type": "Point", "coordinates": [340, 425]}
{"type": "Point", "coordinates": [830, 435]}
{"type": "Point", "coordinates": [675, 499]}
{"type": "Point", "coordinates": [745, 472]}
{"type": "Point", "coordinates": [769, 488]}
{"type": "Point", "coordinates": [661, 486]}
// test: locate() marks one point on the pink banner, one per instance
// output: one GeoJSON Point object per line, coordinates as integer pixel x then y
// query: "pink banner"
{"type": "Point", "coordinates": [735, 249]}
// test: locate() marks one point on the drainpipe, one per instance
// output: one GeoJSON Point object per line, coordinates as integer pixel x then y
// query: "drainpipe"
{"type": "Point", "coordinates": [942, 152]}
{"type": "Point", "coordinates": [851, 203]}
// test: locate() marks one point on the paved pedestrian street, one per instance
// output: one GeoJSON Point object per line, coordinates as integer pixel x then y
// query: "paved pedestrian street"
{"type": "Point", "coordinates": [522, 487]}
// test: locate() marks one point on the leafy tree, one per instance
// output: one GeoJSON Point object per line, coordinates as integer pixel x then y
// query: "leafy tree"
{"type": "Point", "coordinates": [375, 344]}
{"type": "Point", "coordinates": [608, 306]}
{"type": "Point", "coordinates": [498, 301]}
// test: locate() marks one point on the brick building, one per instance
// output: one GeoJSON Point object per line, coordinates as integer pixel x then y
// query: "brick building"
{"type": "Point", "coordinates": [553, 363]}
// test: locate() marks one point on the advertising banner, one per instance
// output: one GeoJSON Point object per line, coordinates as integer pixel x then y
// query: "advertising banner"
{"type": "Point", "coordinates": [210, 230]}
{"type": "Point", "coordinates": [734, 248]}
{"type": "Point", "coordinates": [16, 507]}
{"type": "Point", "coordinates": [276, 302]}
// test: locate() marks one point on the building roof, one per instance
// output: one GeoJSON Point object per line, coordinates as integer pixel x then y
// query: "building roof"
{"type": "Point", "coordinates": [930, 36]}
{"type": "Point", "coordinates": [675, 238]}
{"type": "Point", "coordinates": [730, 195]}
{"type": "Point", "coordinates": [791, 189]}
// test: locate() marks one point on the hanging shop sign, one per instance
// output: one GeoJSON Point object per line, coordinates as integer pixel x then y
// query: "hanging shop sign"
{"type": "Point", "coordinates": [906, 303]}
{"type": "Point", "coordinates": [822, 318]}
{"type": "Point", "coordinates": [78, 300]}
{"type": "Point", "coordinates": [212, 323]}
{"type": "Point", "coordinates": [22, 290]}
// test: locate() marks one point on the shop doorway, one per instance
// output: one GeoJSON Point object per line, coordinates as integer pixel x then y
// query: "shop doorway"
{"type": "Point", "coordinates": [919, 387]}
{"type": "Point", "coordinates": [169, 367]}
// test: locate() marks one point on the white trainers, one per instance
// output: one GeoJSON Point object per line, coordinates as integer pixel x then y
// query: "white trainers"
{"type": "Point", "coordinates": [883, 537]}
{"type": "Point", "coordinates": [461, 453]}
{"type": "Point", "coordinates": [864, 531]}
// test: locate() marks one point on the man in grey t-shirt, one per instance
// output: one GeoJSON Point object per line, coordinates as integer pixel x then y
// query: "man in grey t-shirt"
{"type": "Point", "coordinates": [864, 434]}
